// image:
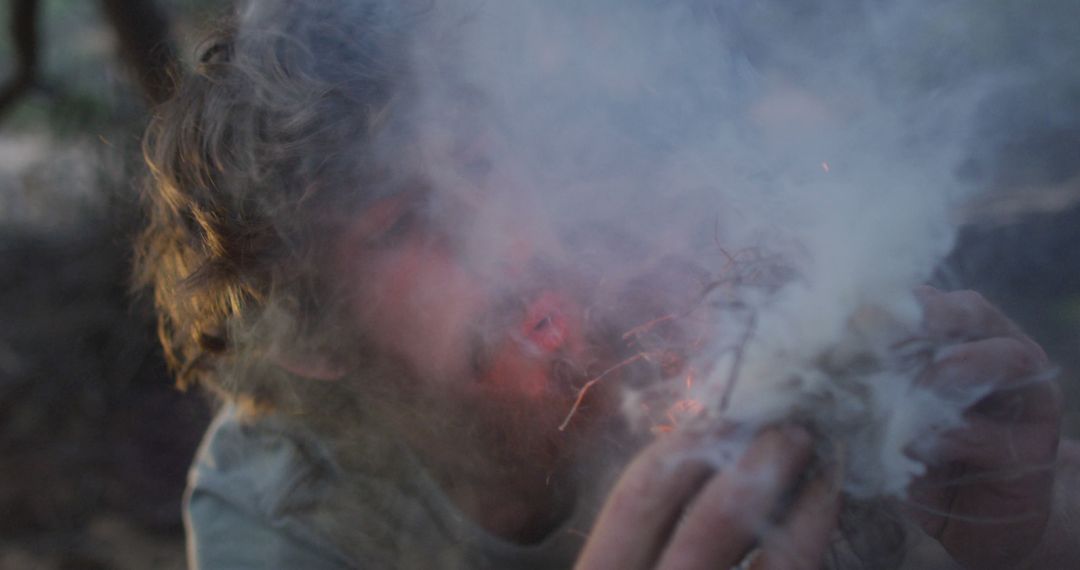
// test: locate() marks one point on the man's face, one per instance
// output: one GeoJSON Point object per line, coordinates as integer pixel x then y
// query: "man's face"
{"type": "Point", "coordinates": [491, 329]}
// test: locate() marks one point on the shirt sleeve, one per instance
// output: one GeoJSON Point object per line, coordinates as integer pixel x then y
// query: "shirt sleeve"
{"type": "Point", "coordinates": [224, 537]}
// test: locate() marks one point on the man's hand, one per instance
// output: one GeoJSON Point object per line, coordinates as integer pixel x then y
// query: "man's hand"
{"type": "Point", "coordinates": [671, 511]}
{"type": "Point", "coordinates": [987, 498]}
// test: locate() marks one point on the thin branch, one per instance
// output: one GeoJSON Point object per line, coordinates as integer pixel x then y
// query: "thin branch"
{"type": "Point", "coordinates": [736, 364]}
{"type": "Point", "coordinates": [590, 383]}
{"type": "Point", "coordinates": [26, 36]}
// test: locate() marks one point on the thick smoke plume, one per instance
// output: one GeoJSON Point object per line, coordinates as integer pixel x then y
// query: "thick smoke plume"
{"type": "Point", "coordinates": [826, 144]}
{"type": "Point", "coordinates": [830, 134]}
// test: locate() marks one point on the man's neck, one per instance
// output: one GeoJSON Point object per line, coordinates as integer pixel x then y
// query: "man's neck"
{"type": "Point", "coordinates": [520, 499]}
{"type": "Point", "coordinates": [523, 510]}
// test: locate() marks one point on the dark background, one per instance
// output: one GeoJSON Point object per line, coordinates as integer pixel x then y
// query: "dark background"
{"type": "Point", "coordinates": [95, 441]}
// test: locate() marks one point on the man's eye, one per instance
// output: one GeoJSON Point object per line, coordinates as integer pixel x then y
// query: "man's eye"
{"type": "Point", "coordinates": [389, 221]}
{"type": "Point", "coordinates": [398, 228]}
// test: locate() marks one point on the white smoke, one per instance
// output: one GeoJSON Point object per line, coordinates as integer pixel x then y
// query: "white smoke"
{"type": "Point", "coordinates": [828, 131]}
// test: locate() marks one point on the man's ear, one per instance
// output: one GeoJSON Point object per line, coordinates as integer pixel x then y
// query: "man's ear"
{"type": "Point", "coordinates": [310, 365]}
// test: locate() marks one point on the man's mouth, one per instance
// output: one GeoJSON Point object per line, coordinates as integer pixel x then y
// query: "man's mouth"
{"type": "Point", "coordinates": [543, 352]}
{"type": "Point", "coordinates": [545, 324]}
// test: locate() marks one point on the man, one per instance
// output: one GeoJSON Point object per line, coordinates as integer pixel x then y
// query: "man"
{"type": "Point", "coordinates": [390, 401]}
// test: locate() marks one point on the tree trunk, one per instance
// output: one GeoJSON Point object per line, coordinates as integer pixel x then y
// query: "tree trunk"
{"type": "Point", "coordinates": [145, 42]}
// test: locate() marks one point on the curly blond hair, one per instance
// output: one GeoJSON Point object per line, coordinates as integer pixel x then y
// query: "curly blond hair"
{"type": "Point", "coordinates": [258, 159]}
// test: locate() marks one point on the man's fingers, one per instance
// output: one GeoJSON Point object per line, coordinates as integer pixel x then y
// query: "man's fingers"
{"type": "Point", "coordinates": [965, 316]}
{"type": "Point", "coordinates": [1006, 392]}
{"type": "Point", "coordinates": [645, 505]}
{"type": "Point", "coordinates": [973, 370]}
{"type": "Point", "coordinates": [988, 490]}
{"type": "Point", "coordinates": [801, 542]}
{"type": "Point", "coordinates": [672, 512]}
{"type": "Point", "coordinates": [724, 520]}
{"type": "Point", "coordinates": [1007, 448]}
{"type": "Point", "coordinates": [996, 371]}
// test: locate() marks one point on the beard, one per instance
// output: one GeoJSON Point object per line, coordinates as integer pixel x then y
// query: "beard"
{"type": "Point", "coordinates": [494, 422]}
{"type": "Point", "coordinates": [476, 432]}
{"type": "Point", "coordinates": [502, 414]}
{"type": "Point", "coordinates": [501, 417]}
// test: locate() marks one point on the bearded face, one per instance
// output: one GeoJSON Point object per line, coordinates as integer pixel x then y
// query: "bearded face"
{"type": "Point", "coordinates": [497, 360]}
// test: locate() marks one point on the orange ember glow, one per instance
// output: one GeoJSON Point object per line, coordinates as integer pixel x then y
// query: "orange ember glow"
{"type": "Point", "coordinates": [741, 267]}
{"type": "Point", "coordinates": [676, 415]}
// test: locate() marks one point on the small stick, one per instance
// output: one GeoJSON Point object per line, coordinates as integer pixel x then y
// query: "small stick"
{"type": "Point", "coordinates": [740, 350]}
{"type": "Point", "coordinates": [643, 328]}
{"type": "Point", "coordinates": [589, 384]}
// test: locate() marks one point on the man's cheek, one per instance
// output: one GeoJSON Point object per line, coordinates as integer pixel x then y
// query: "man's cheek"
{"type": "Point", "coordinates": [511, 369]}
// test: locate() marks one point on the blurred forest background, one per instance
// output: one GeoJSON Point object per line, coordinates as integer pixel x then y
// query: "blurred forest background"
{"type": "Point", "coordinates": [95, 441]}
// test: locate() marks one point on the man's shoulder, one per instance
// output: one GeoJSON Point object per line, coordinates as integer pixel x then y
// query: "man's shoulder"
{"type": "Point", "coordinates": [271, 491]}
{"type": "Point", "coordinates": [265, 477]}
{"type": "Point", "coordinates": [263, 463]}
